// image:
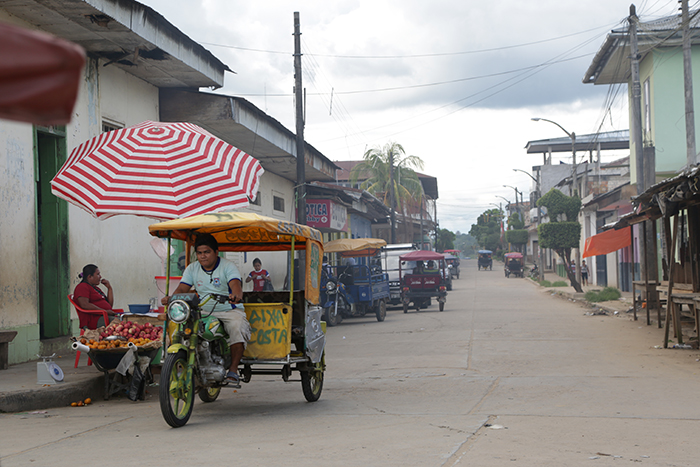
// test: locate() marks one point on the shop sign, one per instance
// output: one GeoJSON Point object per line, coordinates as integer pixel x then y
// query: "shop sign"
{"type": "Point", "coordinates": [324, 213]}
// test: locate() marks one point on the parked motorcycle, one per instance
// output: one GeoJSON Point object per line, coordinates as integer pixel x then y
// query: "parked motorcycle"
{"type": "Point", "coordinates": [535, 272]}
{"type": "Point", "coordinates": [334, 299]}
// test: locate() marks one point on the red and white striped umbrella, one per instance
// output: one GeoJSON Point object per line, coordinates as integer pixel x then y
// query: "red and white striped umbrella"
{"type": "Point", "coordinates": [157, 170]}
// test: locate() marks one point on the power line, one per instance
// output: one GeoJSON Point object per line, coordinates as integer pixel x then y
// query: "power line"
{"type": "Point", "coordinates": [393, 57]}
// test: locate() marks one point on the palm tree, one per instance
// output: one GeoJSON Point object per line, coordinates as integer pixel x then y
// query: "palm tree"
{"type": "Point", "coordinates": [390, 177]}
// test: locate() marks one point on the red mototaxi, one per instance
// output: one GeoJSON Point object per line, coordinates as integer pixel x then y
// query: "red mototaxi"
{"type": "Point", "coordinates": [421, 287]}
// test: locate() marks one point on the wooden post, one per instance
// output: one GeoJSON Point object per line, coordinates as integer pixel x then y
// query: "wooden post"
{"type": "Point", "coordinates": [645, 272]}
{"type": "Point", "coordinates": [671, 259]}
{"type": "Point", "coordinates": [634, 296]}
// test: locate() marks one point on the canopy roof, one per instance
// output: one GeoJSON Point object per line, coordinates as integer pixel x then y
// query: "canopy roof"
{"type": "Point", "coordinates": [239, 231]}
{"type": "Point", "coordinates": [354, 246]}
{"type": "Point", "coordinates": [422, 255]}
{"type": "Point", "coordinates": [513, 255]}
{"type": "Point", "coordinates": [607, 242]}
{"type": "Point", "coordinates": [486, 252]}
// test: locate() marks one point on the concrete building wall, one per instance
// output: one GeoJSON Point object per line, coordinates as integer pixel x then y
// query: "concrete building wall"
{"type": "Point", "coordinates": [119, 246]}
{"type": "Point", "coordinates": [664, 69]}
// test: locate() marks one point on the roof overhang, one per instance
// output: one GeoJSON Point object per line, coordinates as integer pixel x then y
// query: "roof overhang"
{"type": "Point", "coordinates": [611, 64]}
{"type": "Point", "coordinates": [240, 123]}
{"type": "Point", "coordinates": [359, 201]}
{"type": "Point", "coordinates": [128, 35]}
{"type": "Point", "coordinates": [607, 141]}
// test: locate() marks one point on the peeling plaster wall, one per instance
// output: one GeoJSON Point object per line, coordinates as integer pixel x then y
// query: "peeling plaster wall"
{"type": "Point", "coordinates": [119, 246]}
{"type": "Point", "coordinates": [18, 286]}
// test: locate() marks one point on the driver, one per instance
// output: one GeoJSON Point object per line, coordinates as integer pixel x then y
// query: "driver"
{"type": "Point", "coordinates": [212, 274]}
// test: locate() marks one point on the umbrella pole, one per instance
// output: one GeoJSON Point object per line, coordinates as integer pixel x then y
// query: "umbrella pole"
{"type": "Point", "coordinates": [291, 274]}
{"type": "Point", "coordinates": [167, 267]}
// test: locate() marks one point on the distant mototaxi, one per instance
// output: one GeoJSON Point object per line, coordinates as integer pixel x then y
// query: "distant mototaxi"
{"type": "Point", "coordinates": [485, 260]}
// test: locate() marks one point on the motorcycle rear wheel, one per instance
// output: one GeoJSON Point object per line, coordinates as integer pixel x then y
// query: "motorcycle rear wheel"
{"type": "Point", "coordinates": [209, 394]}
{"type": "Point", "coordinates": [176, 390]}
{"type": "Point", "coordinates": [312, 381]}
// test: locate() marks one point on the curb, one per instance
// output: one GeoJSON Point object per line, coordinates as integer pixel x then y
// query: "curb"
{"type": "Point", "coordinates": [35, 399]}
{"type": "Point", "coordinates": [577, 297]}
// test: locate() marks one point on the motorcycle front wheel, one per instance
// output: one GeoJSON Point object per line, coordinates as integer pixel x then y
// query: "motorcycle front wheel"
{"type": "Point", "coordinates": [312, 381]}
{"type": "Point", "coordinates": [176, 390]}
{"type": "Point", "coordinates": [333, 316]}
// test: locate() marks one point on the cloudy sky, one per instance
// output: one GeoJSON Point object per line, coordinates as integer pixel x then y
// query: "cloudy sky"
{"type": "Point", "coordinates": [455, 82]}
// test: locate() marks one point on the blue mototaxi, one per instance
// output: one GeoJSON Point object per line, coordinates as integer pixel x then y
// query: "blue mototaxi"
{"type": "Point", "coordinates": [366, 286]}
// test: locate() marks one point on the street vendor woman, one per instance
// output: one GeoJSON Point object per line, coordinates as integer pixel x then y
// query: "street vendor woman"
{"type": "Point", "coordinates": [89, 296]}
{"type": "Point", "coordinates": [212, 274]}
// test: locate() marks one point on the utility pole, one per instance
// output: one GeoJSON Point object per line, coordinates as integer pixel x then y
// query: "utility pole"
{"type": "Point", "coordinates": [645, 165]}
{"type": "Point", "coordinates": [421, 221]}
{"type": "Point", "coordinates": [301, 159]}
{"type": "Point", "coordinates": [688, 84]}
{"type": "Point", "coordinates": [391, 195]}
{"type": "Point", "coordinates": [636, 135]}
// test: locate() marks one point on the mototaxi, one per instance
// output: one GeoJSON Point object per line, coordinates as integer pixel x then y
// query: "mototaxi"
{"type": "Point", "coordinates": [353, 290]}
{"type": "Point", "coordinates": [294, 341]}
{"type": "Point", "coordinates": [452, 264]}
{"type": "Point", "coordinates": [514, 264]}
{"type": "Point", "coordinates": [485, 260]}
{"type": "Point", "coordinates": [419, 286]}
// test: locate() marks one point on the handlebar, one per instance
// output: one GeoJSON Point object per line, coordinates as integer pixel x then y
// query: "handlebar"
{"type": "Point", "coordinates": [219, 298]}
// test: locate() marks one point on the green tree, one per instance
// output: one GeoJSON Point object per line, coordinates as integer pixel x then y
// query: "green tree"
{"type": "Point", "coordinates": [516, 234]}
{"type": "Point", "coordinates": [487, 230]}
{"type": "Point", "coordinates": [561, 234]}
{"type": "Point", "coordinates": [445, 240]}
{"type": "Point", "coordinates": [376, 170]}
{"type": "Point", "coordinates": [465, 243]}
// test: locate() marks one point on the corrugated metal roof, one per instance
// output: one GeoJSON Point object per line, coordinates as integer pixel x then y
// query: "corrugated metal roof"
{"type": "Point", "coordinates": [611, 64]}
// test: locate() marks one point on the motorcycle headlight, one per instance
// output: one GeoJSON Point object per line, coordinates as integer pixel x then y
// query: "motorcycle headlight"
{"type": "Point", "coordinates": [179, 311]}
{"type": "Point", "coordinates": [330, 286]}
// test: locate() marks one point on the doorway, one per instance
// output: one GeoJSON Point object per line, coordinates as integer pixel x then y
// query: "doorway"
{"type": "Point", "coordinates": [51, 235]}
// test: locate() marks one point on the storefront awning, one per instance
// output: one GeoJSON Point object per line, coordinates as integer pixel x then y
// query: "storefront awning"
{"type": "Point", "coordinates": [607, 242]}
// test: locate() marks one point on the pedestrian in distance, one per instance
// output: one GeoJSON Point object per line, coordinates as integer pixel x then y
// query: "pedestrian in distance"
{"type": "Point", "coordinates": [584, 273]}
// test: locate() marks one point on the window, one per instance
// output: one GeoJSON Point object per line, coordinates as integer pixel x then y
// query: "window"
{"type": "Point", "coordinates": [278, 203]}
{"type": "Point", "coordinates": [108, 126]}
{"type": "Point", "coordinates": [257, 201]}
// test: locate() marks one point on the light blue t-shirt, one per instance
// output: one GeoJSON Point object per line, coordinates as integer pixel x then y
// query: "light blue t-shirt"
{"type": "Point", "coordinates": [216, 282]}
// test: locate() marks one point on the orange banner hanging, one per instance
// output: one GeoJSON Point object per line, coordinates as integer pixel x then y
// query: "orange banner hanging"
{"type": "Point", "coordinates": [607, 242]}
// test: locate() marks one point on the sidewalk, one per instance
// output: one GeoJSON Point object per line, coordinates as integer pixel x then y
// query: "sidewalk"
{"type": "Point", "coordinates": [19, 391]}
{"type": "Point", "coordinates": [622, 305]}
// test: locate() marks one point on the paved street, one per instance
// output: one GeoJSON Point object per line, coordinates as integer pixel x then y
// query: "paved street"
{"type": "Point", "coordinates": [506, 375]}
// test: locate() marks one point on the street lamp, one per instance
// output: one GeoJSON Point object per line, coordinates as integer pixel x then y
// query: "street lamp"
{"type": "Point", "coordinates": [506, 200]}
{"type": "Point", "coordinates": [571, 135]}
{"type": "Point", "coordinates": [574, 185]}
{"type": "Point", "coordinates": [499, 206]}
{"type": "Point", "coordinates": [539, 220]}
{"type": "Point", "coordinates": [517, 206]}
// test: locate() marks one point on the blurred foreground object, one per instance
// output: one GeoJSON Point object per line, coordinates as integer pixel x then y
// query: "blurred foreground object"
{"type": "Point", "coordinates": [39, 76]}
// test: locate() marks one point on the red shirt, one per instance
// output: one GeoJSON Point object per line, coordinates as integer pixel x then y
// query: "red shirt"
{"type": "Point", "coordinates": [259, 279]}
{"type": "Point", "coordinates": [96, 298]}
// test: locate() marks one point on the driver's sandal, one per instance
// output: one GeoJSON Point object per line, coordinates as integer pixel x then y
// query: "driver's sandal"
{"type": "Point", "coordinates": [233, 380]}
